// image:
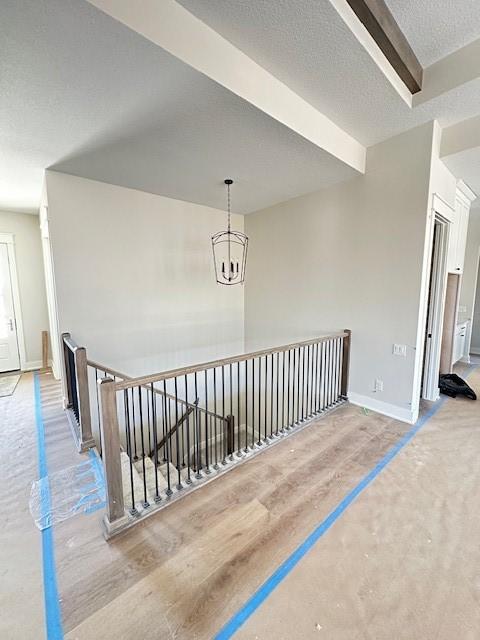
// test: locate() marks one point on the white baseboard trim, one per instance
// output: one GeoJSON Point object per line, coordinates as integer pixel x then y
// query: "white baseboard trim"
{"type": "Point", "coordinates": [390, 410]}
{"type": "Point", "coordinates": [465, 359]}
{"type": "Point", "coordinates": [33, 365]}
{"type": "Point", "coordinates": [474, 351]}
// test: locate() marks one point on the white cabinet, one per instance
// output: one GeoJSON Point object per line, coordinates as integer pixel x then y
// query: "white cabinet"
{"type": "Point", "coordinates": [457, 239]}
{"type": "Point", "coordinates": [459, 342]}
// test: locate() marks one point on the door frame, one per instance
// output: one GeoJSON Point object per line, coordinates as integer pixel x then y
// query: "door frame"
{"type": "Point", "coordinates": [436, 308]}
{"type": "Point", "coordinates": [9, 240]}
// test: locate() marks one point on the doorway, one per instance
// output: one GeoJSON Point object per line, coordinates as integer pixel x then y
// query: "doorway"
{"type": "Point", "coordinates": [436, 304]}
{"type": "Point", "coordinates": [9, 351]}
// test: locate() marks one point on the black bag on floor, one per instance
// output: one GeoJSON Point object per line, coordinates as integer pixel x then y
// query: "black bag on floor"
{"type": "Point", "coordinates": [452, 385]}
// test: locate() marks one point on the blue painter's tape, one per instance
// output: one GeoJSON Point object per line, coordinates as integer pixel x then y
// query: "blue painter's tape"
{"type": "Point", "coordinates": [99, 481]}
{"type": "Point", "coordinates": [286, 567]}
{"type": "Point", "coordinates": [53, 616]}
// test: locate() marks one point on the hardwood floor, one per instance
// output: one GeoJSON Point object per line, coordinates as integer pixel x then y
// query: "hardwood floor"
{"type": "Point", "coordinates": [185, 571]}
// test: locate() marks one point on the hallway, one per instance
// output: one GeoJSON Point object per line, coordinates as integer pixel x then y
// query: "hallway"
{"type": "Point", "coordinates": [400, 562]}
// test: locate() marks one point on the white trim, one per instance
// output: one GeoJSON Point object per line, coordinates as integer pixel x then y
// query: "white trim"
{"type": "Point", "coordinates": [385, 408]}
{"type": "Point", "coordinates": [466, 191]}
{"type": "Point", "coordinates": [465, 360]}
{"type": "Point", "coordinates": [474, 351]}
{"type": "Point", "coordinates": [441, 206]}
{"type": "Point", "coordinates": [434, 323]}
{"type": "Point", "coordinates": [9, 240]}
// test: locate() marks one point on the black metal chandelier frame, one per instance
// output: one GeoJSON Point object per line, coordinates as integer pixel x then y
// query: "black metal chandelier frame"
{"type": "Point", "coordinates": [229, 251]}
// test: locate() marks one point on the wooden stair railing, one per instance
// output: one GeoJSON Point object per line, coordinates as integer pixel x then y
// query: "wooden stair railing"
{"type": "Point", "coordinates": [172, 431]}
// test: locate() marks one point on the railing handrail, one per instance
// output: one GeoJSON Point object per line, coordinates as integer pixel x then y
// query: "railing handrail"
{"type": "Point", "coordinates": [124, 376]}
{"type": "Point", "coordinates": [183, 371]}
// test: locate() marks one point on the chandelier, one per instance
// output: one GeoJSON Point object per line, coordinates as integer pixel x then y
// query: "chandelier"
{"type": "Point", "coordinates": [229, 251]}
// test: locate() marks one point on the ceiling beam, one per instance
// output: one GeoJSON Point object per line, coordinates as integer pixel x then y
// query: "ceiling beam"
{"type": "Point", "coordinates": [381, 25]}
{"type": "Point", "coordinates": [170, 26]}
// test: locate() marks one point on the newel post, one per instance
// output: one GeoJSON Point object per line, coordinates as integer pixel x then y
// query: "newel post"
{"type": "Point", "coordinates": [115, 516]}
{"type": "Point", "coordinates": [345, 362]}
{"type": "Point", "coordinates": [84, 418]}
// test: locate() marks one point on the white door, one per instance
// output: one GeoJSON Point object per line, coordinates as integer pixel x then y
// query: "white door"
{"type": "Point", "coordinates": [9, 357]}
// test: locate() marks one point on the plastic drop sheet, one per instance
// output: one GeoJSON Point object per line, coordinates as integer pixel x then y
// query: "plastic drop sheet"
{"type": "Point", "coordinates": [66, 493]}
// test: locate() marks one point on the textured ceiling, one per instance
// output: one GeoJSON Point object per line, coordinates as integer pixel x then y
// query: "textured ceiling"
{"type": "Point", "coordinates": [436, 28]}
{"type": "Point", "coordinates": [307, 45]}
{"type": "Point", "coordinates": [83, 94]}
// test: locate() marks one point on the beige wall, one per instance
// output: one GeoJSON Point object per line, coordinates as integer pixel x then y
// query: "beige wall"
{"type": "Point", "coordinates": [351, 256]}
{"type": "Point", "coordinates": [134, 276]}
{"type": "Point", "coordinates": [31, 282]}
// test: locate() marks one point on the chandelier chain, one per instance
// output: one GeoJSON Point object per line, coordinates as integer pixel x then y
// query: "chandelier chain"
{"type": "Point", "coordinates": [228, 206]}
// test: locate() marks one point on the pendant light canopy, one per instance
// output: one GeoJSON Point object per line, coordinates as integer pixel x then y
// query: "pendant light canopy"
{"type": "Point", "coordinates": [229, 251]}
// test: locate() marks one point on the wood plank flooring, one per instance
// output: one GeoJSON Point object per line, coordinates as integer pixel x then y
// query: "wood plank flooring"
{"type": "Point", "coordinates": [183, 572]}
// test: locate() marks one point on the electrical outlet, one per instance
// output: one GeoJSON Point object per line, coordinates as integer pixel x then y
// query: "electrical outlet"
{"type": "Point", "coordinates": [400, 350]}
{"type": "Point", "coordinates": [378, 385]}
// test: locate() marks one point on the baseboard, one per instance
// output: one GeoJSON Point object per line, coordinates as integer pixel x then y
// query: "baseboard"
{"type": "Point", "coordinates": [387, 409]}
{"type": "Point", "coordinates": [474, 351]}
{"type": "Point", "coordinates": [34, 365]}
{"type": "Point", "coordinates": [465, 360]}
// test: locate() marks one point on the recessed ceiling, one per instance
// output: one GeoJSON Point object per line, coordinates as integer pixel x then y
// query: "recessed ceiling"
{"type": "Point", "coordinates": [83, 94]}
{"type": "Point", "coordinates": [307, 45]}
{"type": "Point", "coordinates": [436, 28]}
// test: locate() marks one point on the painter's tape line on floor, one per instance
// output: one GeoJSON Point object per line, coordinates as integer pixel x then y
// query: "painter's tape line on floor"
{"type": "Point", "coordinates": [286, 567]}
{"type": "Point", "coordinates": [53, 616]}
{"type": "Point", "coordinates": [98, 468]}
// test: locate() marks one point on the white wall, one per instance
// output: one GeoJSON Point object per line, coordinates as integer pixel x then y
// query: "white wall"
{"type": "Point", "coordinates": [31, 282]}
{"type": "Point", "coordinates": [134, 276]}
{"type": "Point", "coordinates": [351, 256]}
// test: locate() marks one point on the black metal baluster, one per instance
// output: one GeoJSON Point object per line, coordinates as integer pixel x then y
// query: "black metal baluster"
{"type": "Point", "coordinates": [288, 388]}
{"type": "Point", "coordinates": [224, 432]}
{"type": "Point", "coordinates": [239, 450]}
{"type": "Point", "coordinates": [314, 380]}
{"type": "Point", "coordinates": [253, 403]}
{"type": "Point", "coordinates": [215, 466]}
{"type": "Point", "coordinates": [271, 395]}
{"type": "Point", "coordinates": [307, 407]}
{"type": "Point", "coordinates": [259, 401]}
{"type": "Point", "coordinates": [198, 462]}
{"type": "Point", "coordinates": [142, 441]}
{"type": "Point", "coordinates": [298, 384]}
{"type": "Point", "coordinates": [278, 393]}
{"type": "Point", "coordinates": [135, 457]}
{"type": "Point", "coordinates": [207, 456]}
{"type": "Point", "coordinates": [155, 440]}
{"type": "Point", "coordinates": [265, 439]}
{"type": "Point", "coordinates": [232, 439]}
{"type": "Point", "coordinates": [149, 423]}
{"type": "Point", "coordinates": [177, 438]}
{"type": "Point", "coordinates": [189, 464]}
{"type": "Point", "coordinates": [284, 353]}
{"type": "Point", "coordinates": [246, 406]}
{"type": "Point", "coordinates": [133, 509]}
{"type": "Point", "coordinates": [98, 411]}
{"type": "Point", "coordinates": [166, 446]}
